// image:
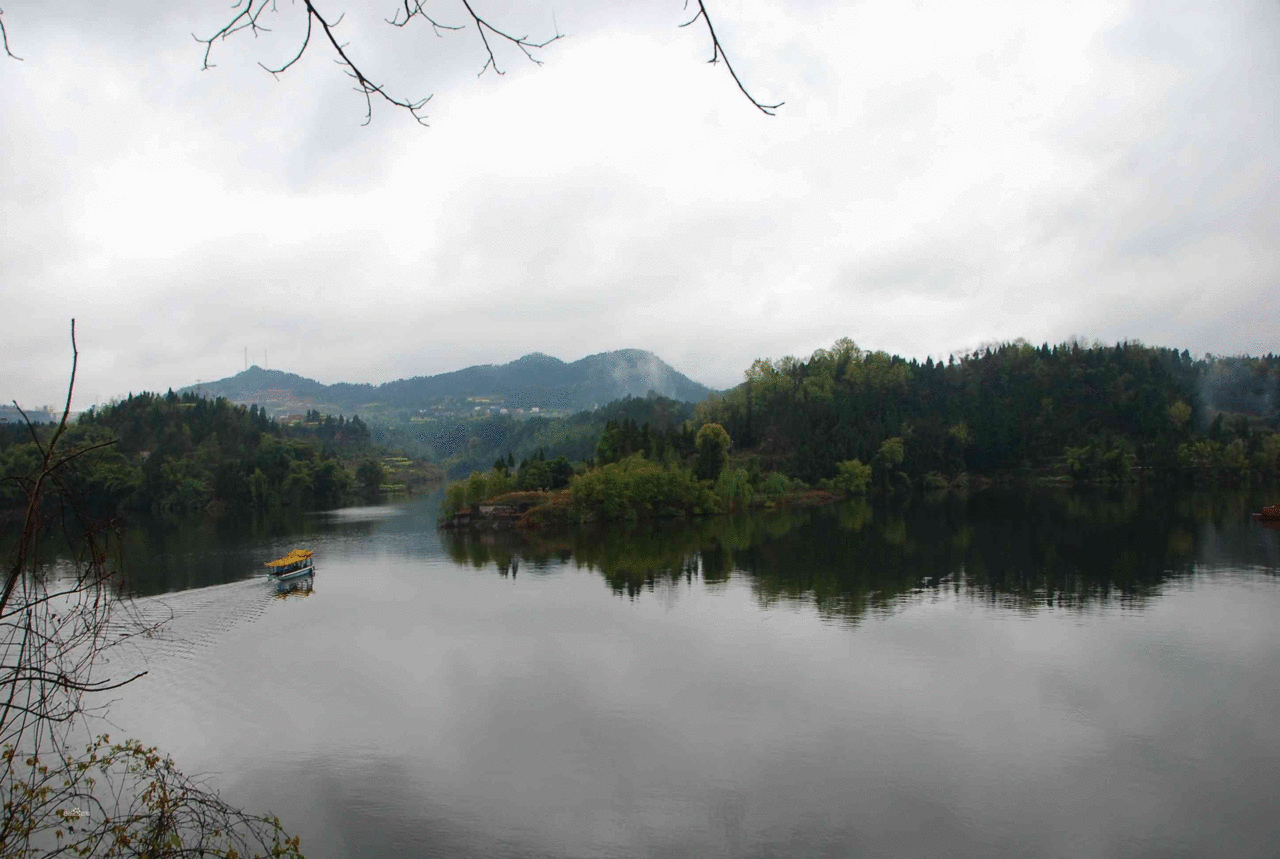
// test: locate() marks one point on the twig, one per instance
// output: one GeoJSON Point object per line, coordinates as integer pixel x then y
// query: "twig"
{"type": "Point", "coordinates": [717, 54]}
{"type": "Point", "coordinates": [521, 42]}
{"type": "Point", "coordinates": [4, 38]}
{"type": "Point", "coordinates": [365, 86]}
{"type": "Point", "coordinates": [418, 12]}
{"type": "Point", "coordinates": [245, 19]}
{"type": "Point", "coordinates": [248, 14]}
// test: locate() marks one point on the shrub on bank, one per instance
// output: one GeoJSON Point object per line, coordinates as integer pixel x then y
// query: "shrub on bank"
{"type": "Point", "coordinates": [852, 477]}
{"type": "Point", "coordinates": [636, 488]}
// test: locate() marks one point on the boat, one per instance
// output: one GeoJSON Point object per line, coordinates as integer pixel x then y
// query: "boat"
{"type": "Point", "coordinates": [295, 565]}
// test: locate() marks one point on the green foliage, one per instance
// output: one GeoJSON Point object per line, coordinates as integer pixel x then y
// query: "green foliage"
{"type": "Point", "coordinates": [336, 436]}
{"type": "Point", "coordinates": [891, 453]}
{"type": "Point", "coordinates": [1097, 413]}
{"type": "Point", "coordinates": [534, 474]}
{"type": "Point", "coordinates": [186, 485]}
{"type": "Point", "coordinates": [477, 489]}
{"type": "Point", "coordinates": [18, 461]}
{"type": "Point", "coordinates": [330, 483]}
{"type": "Point", "coordinates": [612, 445]}
{"type": "Point", "coordinates": [1237, 462]}
{"type": "Point", "coordinates": [636, 488]}
{"type": "Point", "coordinates": [852, 477]}
{"type": "Point", "coordinates": [777, 484]}
{"type": "Point", "coordinates": [499, 482]}
{"type": "Point", "coordinates": [170, 453]}
{"type": "Point", "coordinates": [1079, 462]}
{"type": "Point", "coordinates": [885, 466]}
{"type": "Point", "coordinates": [1202, 454]}
{"type": "Point", "coordinates": [734, 489]}
{"type": "Point", "coordinates": [370, 476]}
{"type": "Point", "coordinates": [1012, 407]}
{"type": "Point", "coordinates": [455, 499]}
{"type": "Point", "coordinates": [561, 472]}
{"type": "Point", "coordinates": [1106, 461]}
{"type": "Point", "coordinates": [1268, 457]}
{"type": "Point", "coordinates": [712, 444]}
{"type": "Point", "coordinates": [463, 445]}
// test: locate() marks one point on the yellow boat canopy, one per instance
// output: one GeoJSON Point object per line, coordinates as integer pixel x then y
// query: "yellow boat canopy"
{"type": "Point", "coordinates": [294, 557]}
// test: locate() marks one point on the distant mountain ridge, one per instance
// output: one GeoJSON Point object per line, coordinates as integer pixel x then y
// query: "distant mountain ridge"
{"type": "Point", "coordinates": [536, 380]}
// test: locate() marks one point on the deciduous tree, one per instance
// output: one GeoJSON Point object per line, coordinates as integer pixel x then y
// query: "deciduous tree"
{"type": "Point", "coordinates": [713, 449]}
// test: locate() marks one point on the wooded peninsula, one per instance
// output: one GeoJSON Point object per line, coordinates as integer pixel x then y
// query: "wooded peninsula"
{"type": "Point", "coordinates": [849, 422]}
{"type": "Point", "coordinates": [173, 453]}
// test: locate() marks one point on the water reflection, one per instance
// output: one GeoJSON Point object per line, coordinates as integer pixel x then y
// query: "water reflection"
{"type": "Point", "coordinates": [439, 709]}
{"type": "Point", "coordinates": [1019, 550]}
{"type": "Point", "coordinates": [302, 587]}
{"type": "Point", "coordinates": [161, 554]}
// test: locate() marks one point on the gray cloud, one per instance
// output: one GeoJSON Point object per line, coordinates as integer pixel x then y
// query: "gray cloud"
{"type": "Point", "coordinates": [942, 175]}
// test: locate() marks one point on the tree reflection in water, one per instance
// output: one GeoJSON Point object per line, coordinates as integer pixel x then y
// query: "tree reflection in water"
{"type": "Point", "coordinates": [1017, 550]}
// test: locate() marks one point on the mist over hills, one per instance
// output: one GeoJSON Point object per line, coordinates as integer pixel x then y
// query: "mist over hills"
{"type": "Point", "coordinates": [534, 381]}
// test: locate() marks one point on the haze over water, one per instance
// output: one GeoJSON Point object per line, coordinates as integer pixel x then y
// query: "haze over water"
{"type": "Point", "coordinates": [1011, 675]}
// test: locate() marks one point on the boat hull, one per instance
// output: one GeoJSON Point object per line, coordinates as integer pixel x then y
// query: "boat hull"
{"type": "Point", "coordinates": [308, 570]}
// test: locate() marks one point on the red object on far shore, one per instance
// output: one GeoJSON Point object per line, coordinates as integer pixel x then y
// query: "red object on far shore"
{"type": "Point", "coordinates": [1269, 514]}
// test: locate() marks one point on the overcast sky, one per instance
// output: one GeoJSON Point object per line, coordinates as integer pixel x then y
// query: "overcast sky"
{"type": "Point", "coordinates": [942, 175]}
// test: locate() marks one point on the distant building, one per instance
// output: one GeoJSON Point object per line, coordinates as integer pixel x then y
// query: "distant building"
{"type": "Point", "coordinates": [43, 415]}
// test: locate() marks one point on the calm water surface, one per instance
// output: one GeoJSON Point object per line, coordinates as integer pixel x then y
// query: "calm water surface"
{"type": "Point", "coordinates": [1011, 675]}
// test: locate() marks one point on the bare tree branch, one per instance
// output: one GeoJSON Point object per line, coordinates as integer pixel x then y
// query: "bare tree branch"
{"type": "Point", "coordinates": [55, 628]}
{"type": "Point", "coordinates": [4, 38]}
{"type": "Point", "coordinates": [248, 13]}
{"type": "Point", "coordinates": [245, 19]}
{"type": "Point", "coordinates": [247, 16]}
{"type": "Point", "coordinates": [71, 386]}
{"type": "Point", "coordinates": [413, 9]}
{"type": "Point", "coordinates": [306, 40]}
{"type": "Point", "coordinates": [717, 54]}
{"type": "Point", "coordinates": [363, 84]}
{"type": "Point", "coordinates": [521, 42]}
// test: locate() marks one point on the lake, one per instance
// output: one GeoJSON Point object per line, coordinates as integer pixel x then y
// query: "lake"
{"type": "Point", "coordinates": [1008, 674]}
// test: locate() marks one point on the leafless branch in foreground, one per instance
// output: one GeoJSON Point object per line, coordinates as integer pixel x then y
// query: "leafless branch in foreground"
{"type": "Point", "coordinates": [4, 39]}
{"type": "Point", "coordinates": [57, 623]}
{"type": "Point", "coordinates": [717, 54]}
{"type": "Point", "coordinates": [248, 14]}
{"type": "Point", "coordinates": [413, 9]}
{"type": "Point", "coordinates": [521, 42]}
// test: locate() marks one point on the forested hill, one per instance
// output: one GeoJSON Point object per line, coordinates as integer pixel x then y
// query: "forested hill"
{"type": "Point", "coordinates": [165, 452]}
{"type": "Point", "coordinates": [536, 380]}
{"type": "Point", "coordinates": [1098, 411]}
